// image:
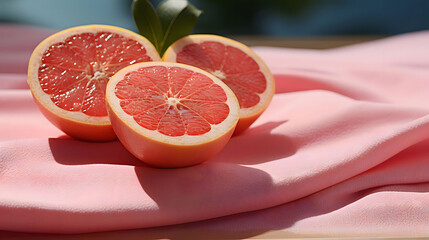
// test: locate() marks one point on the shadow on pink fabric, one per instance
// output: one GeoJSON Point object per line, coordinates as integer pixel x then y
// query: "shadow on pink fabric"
{"type": "Point", "coordinates": [343, 150]}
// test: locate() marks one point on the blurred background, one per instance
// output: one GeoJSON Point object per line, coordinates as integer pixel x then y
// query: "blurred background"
{"type": "Point", "coordinates": [239, 17]}
{"type": "Point", "coordinates": [252, 18]}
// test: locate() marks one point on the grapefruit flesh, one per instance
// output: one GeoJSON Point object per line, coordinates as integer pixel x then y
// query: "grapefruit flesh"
{"type": "Point", "coordinates": [170, 114]}
{"type": "Point", "coordinates": [233, 63]}
{"type": "Point", "coordinates": [69, 71]}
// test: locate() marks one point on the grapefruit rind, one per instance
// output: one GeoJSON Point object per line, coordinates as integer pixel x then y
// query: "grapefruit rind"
{"type": "Point", "coordinates": [77, 124]}
{"type": "Point", "coordinates": [250, 114]}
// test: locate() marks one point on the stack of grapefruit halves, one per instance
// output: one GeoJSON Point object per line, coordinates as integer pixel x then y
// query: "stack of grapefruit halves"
{"type": "Point", "coordinates": [100, 82]}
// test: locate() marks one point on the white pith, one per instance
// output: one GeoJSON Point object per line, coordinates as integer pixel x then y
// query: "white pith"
{"type": "Point", "coordinates": [265, 97]}
{"type": "Point", "coordinates": [216, 130]}
{"type": "Point", "coordinates": [219, 74]}
{"type": "Point", "coordinates": [45, 100]}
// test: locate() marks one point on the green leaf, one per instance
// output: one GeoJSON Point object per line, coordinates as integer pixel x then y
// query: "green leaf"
{"type": "Point", "coordinates": [178, 18]}
{"type": "Point", "coordinates": [147, 21]}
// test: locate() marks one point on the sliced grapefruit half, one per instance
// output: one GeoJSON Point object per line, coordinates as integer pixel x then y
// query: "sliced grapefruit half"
{"type": "Point", "coordinates": [169, 114]}
{"type": "Point", "coordinates": [69, 70]}
{"type": "Point", "coordinates": [233, 63]}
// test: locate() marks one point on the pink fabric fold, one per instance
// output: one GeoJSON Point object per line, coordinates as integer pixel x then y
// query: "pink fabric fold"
{"type": "Point", "coordinates": [343, 150]}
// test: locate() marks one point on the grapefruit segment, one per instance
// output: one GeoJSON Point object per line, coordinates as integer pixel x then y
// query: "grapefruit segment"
{"type": "Point", "coordinates": [233, 63]}
{"type": "Point", "coordinates": [171, 114]}
{"type": "Point", "coordinates": [68, 73]}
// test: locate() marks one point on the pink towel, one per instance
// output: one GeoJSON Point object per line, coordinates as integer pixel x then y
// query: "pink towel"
{"type": "Point", "coordinates": [343, 150]}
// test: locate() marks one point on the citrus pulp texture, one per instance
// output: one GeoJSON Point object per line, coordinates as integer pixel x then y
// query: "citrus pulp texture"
{"type": "Point", "coordinates": [68, 73]}
{"type": "Point", "coordinates": [233, 63]}
{"type": "Point", "coordinates": [170, 114]}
